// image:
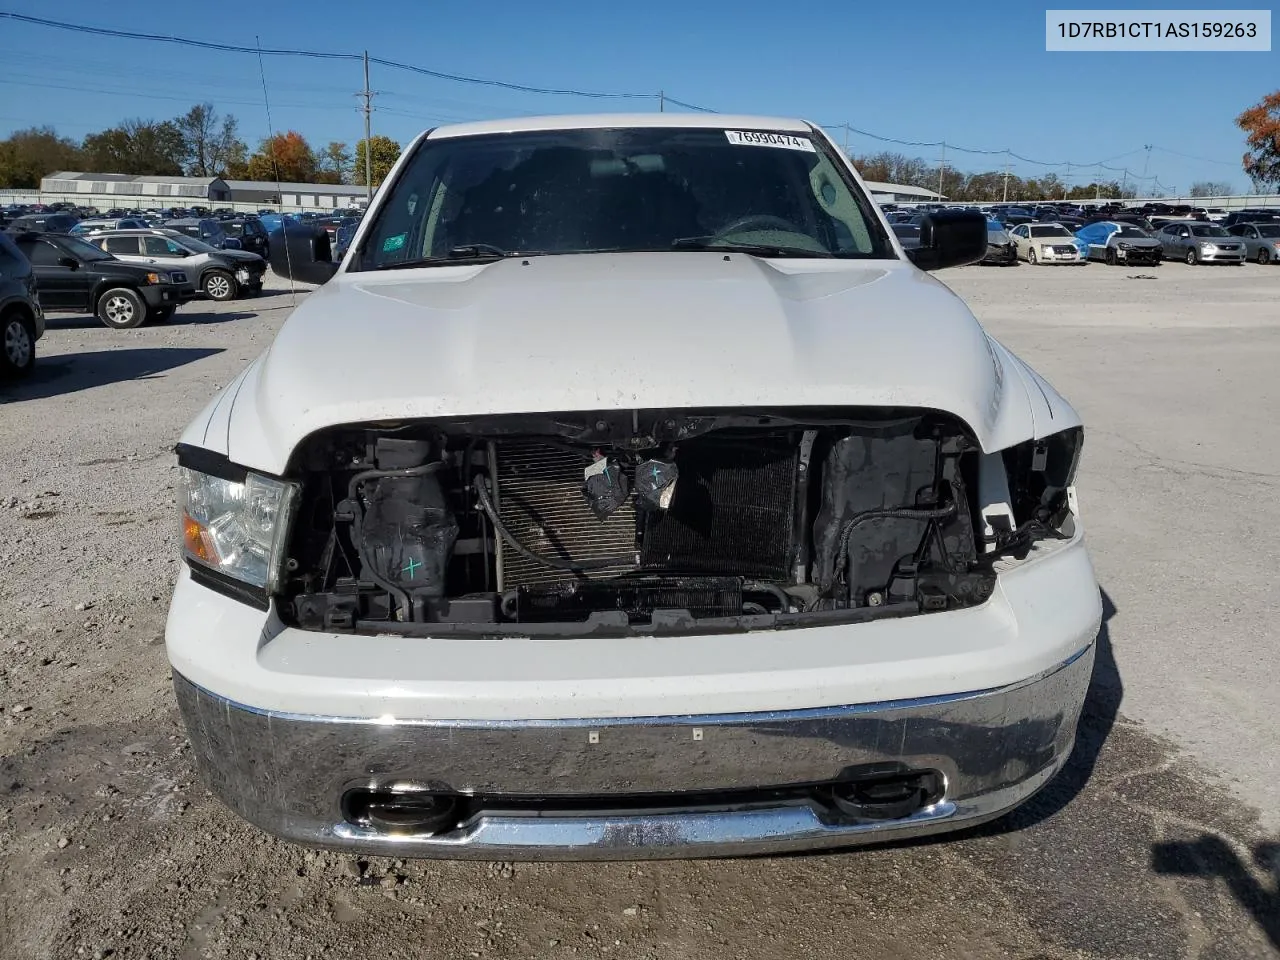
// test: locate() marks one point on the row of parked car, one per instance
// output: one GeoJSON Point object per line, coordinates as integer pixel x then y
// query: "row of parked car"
{"type": "Point", "coordinates": [1124, 241]}
{"type": "Point", "coordinates": [128, 269]}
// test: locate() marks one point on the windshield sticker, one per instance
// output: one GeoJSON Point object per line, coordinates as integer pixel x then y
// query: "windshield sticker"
{"type": "Point", "coordinates": [393, 243]}
{"type": "Point", "coordinates": [759, 138]}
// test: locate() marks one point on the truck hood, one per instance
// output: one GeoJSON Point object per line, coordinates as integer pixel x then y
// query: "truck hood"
{"type": "Point", "coordinates": [621, 331]}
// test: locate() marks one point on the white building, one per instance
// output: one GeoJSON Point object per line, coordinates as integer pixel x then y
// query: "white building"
{"type": "Point", "coordinates": [107, 190]}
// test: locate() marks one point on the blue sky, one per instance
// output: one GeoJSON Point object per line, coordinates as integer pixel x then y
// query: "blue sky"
{"type": "Point", "coordinates": [974, 75]}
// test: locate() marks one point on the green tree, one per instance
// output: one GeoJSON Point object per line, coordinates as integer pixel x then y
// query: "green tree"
{"type": "Point", "coordinates": [384, 153]}
{"type": "Point", "coordinates": [141, 147]}
{"type": "Point", "coordinates": [28, 155]}
{"type": "Point", "coordinates": [210, 143]}
{"type": "Point", "coordinates": [334, 163]}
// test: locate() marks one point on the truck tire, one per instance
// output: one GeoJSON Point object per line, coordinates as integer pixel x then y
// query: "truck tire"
{"type": "Point", "coordinates": [121, 309]}
{"type": "Point", "coordinates": [17, 345]}
{"type": "Point", "coordinates": [220, 285]}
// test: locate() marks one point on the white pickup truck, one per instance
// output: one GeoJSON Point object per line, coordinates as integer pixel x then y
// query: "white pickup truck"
{"type": "Point", "coordinates": [628, 491]}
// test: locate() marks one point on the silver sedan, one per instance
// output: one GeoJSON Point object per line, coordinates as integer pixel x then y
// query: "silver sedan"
{"type": "Point", "coordinates": [1261, 240]}
{"type": "Point", "coordinates": [1197, 242]}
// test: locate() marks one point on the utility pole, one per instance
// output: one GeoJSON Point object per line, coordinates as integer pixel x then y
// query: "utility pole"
{"type": "Point", "coordinates": [1146, 159]}
{"type": "Point", "coordinates": [662, 101]}
{"type": "Point", "coordinates": [942, 166]}
{"type": "Point", "coordinates": [1006, 177]}
{"type": "Point", "coordinates": [846, 139]}
{"type": "Point", "coordinates": [1097, 184]}
{"type": "Point", "coordinates": [367, 109]}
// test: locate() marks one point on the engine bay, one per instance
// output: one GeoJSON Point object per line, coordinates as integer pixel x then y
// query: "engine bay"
{"type": "Point", "coordinates": [653, 521]}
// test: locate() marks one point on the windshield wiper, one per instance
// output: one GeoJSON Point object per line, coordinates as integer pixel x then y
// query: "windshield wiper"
{"type": "Point", "coordinates": [755, 249]}
{"type": "Point", "coordinates": [466, 253]}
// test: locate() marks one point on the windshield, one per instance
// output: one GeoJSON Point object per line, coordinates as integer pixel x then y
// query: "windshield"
{"type": "Point", "coordinates": [83, 249]}
{"type": "Point", "coordinates": [607, 190]}
{"type": "Point", "coordinates": [198, 246]}
{"type": "Point", "coordinates": [1131, 232]}
{"type": "Point", "coordinates": [232, 229]}
{"type": "Point", "coordinates": [1204, 230]}
{"type": "Point", "coordinates": [1054, 231]}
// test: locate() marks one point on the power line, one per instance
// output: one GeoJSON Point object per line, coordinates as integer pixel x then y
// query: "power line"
{"type": "Point", "coordinates": [322, 55]}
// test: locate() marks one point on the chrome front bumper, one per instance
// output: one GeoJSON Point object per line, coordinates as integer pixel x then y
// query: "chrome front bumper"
{"type": "Point", "coordinates": [289, 774]}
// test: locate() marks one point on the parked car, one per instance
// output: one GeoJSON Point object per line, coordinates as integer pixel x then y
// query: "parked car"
{"type": "Point", "coordinates": [909, 656]}
{"type": "Point", "coordinates": [1251, 215]}
{"type": "Point", "coordinates": [1000, 246]}
{"type": "Point", "coordinates": [1261, 240]}
{"type": "Point", "coordinates": [53, 222]}
{"type": "Point", "coordinates": [346, 233]}
{"type": "Point", "coordinates": [1045, 243]}
{"type": "Point", "coordinates": [1114, 243]}
{"type": "Point", "coordinates": [73, 275]}
{"type": "Point", "coordinates": [908, 234]}
{"type": "Point", "coordinates": [206, 230]}
{"type": "Point", "coordinates": [250, 232]}
{"type": "Point", "coordinates": [113, 223]}
{"type": "Point", "coordinates": [1200, 243]}
{"type": "Point", "coordinates": [21, 317]}
{"type": "Point", "coordinates": [219, 274]}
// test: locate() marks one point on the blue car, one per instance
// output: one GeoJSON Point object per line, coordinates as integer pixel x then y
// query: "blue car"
{"type": "Point", "coordinates": [1116, 243]}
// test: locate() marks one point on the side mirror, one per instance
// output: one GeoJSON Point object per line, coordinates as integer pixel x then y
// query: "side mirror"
{"type": "Point", "coordinates": [301, 252]}
{"type": "Point", "coordinates": [71, 263]}
{"type": "Point", "coordinates": [950, 238]}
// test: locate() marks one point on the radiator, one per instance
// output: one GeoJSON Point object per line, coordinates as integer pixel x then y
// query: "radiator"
{"type": "Point", "coordinates": [733, 513]}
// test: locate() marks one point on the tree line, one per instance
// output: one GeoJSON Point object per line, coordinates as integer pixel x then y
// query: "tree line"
{"type": "Point", "coordinates": [199, 143]}
{"type": "Point", "coordinates": [202, 143]}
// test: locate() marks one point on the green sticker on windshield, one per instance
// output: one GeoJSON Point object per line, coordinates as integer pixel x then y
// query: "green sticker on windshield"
{"type": "Point", "coordinates": [393, 243]}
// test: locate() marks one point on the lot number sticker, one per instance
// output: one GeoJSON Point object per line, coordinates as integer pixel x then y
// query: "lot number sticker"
{"type": "Point", "coordinates": [758, 138]}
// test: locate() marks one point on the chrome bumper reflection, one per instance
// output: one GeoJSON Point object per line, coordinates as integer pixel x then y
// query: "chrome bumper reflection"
{"type": "Point", "coordinates": [288, 774]}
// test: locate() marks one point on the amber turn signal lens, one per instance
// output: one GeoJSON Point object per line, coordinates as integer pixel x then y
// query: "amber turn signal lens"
{"type": "Point", "coordinates": [193, 540]}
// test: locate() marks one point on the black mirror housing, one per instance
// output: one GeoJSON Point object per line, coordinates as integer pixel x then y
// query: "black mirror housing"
{"type": "Point", "coordinates": [950, 238]}
{"type": "Point", "coordinates": [301, 252]}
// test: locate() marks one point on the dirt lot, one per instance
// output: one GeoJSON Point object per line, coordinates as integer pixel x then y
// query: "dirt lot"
{"type": "Point", "coordinates": [1153, 843]}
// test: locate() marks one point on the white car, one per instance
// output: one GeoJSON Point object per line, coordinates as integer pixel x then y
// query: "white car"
{"type": "Point", "coordinates": [629, 491]}
{"type": "Point", "coordinates": [1046, 243]}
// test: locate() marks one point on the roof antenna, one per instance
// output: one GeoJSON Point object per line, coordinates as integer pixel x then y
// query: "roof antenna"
{"type": "Point", "coordinates": [275, 166]}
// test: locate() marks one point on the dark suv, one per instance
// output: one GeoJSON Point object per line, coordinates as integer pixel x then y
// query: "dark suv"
{"type": "Point", "coordinates": [250, 232]}
{"type": "Point", "coordinates": [75, 276]}
{"type": "Point", "coordinates": [21, 319]}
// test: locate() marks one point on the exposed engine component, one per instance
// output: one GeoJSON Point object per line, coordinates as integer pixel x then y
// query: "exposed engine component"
{"type": "Point", "coordinates": [660, 520]}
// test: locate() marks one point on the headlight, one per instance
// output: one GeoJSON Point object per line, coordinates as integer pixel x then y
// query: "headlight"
{"type": "Point", "coordinates": [1046, 248]}
{"type": "Point", "coordinates": [1122, 245]}
{"type": "Point", "coordinates": [235, 528]}
{"type": "Point", "coordinates": [1207, 247]}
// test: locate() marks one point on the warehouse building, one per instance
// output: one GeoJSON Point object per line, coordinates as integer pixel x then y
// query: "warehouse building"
{"type": "Point", "coordinates": [901, 193]}
{"type": "Point", "coordinates": [106, 190]}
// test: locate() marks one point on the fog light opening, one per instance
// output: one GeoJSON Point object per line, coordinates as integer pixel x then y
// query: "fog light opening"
{"type": "Point", "coordinates": [416, 813]}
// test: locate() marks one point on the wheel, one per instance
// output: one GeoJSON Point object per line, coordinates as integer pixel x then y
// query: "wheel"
{"type": "Point", "coordinates": [1111, 257]}
{"type": "Point", "coordinates": [1263, 256]}
{"type": "Point", "coordinates": [121, 309]}
{"type": "Point", "coordinates": [220, 285]}
{"type": "Point", "coordinates": [1192, 257]}
{"type": "Point", "coordinates": [1031, 256]}
{"type": "Point", "coordinates": [17, 346]}
{"type": "Point", "coordinates": [161, 315]}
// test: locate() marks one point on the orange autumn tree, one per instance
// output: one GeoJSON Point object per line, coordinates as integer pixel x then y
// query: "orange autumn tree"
{"type": "Point", "coordinates": [1261, 124]}
{"type": "Point", "coordinates": [286, 157]}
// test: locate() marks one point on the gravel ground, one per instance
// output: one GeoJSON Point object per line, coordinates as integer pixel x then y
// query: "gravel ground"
{"type": "Point", "coordinates": [1150, 844]}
